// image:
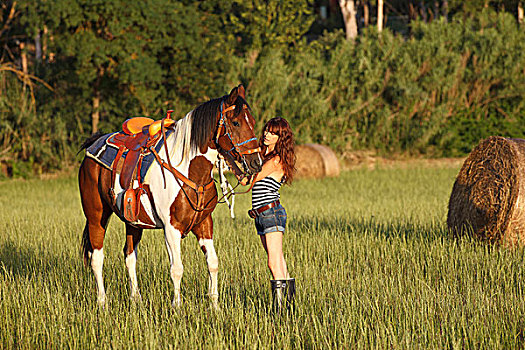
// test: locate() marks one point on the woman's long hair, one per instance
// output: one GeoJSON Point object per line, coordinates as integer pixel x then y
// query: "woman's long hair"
{"type": "Point", "coordinates": [284, 148]}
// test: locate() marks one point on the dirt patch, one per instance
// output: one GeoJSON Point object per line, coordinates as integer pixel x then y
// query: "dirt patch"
{"type": "Point", "coordinates": [369, 160]}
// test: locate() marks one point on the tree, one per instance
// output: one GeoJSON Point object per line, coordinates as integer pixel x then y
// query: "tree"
{"type": "Point", "coordinates": [380, 16]}
{"type": "Point", "coordinates": [349, 11]}
{"type": "Point", "coordinates": [127, 58]}
{"type": "Point", "coordinates": [103, 43]}
{"type": "Point", "coordinates": [258, 24]}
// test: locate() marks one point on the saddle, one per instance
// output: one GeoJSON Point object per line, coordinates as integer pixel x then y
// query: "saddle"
{"type": "Point", "coordinates": [134, 141]}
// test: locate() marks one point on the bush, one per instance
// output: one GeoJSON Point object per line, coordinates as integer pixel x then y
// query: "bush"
{"type": "Point", "coordinates": [30, 142]}
{"type": "Point", "coordinates": [436, 93]}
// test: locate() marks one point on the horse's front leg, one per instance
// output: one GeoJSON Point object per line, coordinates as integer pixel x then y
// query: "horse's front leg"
{"type": "Point", "coordinates": [133, 236]}
{"type": "Point", "coordinates": [204, 233]}
{"type": "Point", "coordinates": [173, 239]}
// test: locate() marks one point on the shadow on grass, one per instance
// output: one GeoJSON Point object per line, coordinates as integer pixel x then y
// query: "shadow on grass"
{"type": "Point", "coordinates": [25, 262]}
{"type": "Point", "coordinates": [370, 226]}
{"type": "Point", "coordinates": [405, 230]}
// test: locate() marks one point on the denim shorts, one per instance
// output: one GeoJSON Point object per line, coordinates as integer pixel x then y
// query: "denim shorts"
{"type": "Point", "coordinates": [271, 220]}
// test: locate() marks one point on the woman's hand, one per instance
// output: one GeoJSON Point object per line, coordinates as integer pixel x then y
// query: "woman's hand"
{"type": "Point", "coordinates": [242, 180]}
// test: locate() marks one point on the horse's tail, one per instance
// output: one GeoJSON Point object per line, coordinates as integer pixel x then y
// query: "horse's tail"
{"type": "Point", "coordinates": [86, 246]}
{"type": "Point", "coordinates": [90, 140]}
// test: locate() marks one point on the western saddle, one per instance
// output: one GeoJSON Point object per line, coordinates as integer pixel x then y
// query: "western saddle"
{"type": "Point", "coordinates": [137, 136]}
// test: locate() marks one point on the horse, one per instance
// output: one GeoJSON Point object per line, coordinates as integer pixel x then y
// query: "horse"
{"type": "Point", "coordinates": [180, 186]}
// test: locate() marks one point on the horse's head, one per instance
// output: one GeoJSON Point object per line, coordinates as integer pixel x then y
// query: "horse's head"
{"type": "Point", "coordinates": [235, 136]}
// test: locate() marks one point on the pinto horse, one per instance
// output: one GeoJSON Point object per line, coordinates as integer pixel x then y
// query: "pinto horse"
{"type": "Point", "coordinates": [224, 125]}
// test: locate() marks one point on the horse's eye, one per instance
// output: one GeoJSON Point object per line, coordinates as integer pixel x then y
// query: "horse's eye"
{"type": "Point", "coordinates": [235, 123]}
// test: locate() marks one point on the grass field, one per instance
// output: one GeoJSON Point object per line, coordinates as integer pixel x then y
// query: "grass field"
{"type": "Point", "coordinates": [374, 265]}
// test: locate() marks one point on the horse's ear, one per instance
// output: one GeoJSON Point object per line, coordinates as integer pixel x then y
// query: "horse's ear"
{"type": "Point", "coordinates": [241, 91]}
{"type": "Point", "coordinates": [232, 97]}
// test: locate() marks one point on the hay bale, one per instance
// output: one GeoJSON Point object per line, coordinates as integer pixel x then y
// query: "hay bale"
{"type": "Point", "coordinates": [488, 197]}
{"type": "Point", "coordinates": [315, 160]}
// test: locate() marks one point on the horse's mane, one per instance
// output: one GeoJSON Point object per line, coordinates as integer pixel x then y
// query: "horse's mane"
{"type": "Point", "coordinates": [194, 130]}
{"type": "Point", "coordinates": [204, 122]}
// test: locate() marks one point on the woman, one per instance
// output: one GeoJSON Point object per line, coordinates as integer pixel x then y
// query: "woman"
{"type": "Point", "coordinates": [277, 145]}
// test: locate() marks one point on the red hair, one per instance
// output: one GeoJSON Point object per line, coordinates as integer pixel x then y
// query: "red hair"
{"type": "Point", "coordinates": [284, 148]}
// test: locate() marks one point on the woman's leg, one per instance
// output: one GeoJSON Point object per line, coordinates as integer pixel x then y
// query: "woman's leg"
{"type": "Point", "coordinates": [263, 241]}
{"type": "Point", "coordinates": [273, 244]}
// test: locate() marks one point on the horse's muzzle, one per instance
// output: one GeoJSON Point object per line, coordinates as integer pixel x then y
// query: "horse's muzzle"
{"type": "Point", "coordinates": [252, 164]}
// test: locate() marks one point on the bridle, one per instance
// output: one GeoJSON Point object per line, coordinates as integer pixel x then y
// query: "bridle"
{"type": "Point", "coordinates": [225, 130]}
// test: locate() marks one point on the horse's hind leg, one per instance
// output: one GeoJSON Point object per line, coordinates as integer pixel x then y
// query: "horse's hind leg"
{"type": "Point", "coordinates": [133, 236]}
{"type": "Point", "coordinates": [204, 233]}
{"type": "Point", "coordinates": [97, 213]}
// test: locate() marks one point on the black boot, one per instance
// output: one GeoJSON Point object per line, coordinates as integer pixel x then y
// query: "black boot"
{"type": "Point", "coordinates": [278, 291]}
{"type": "Point", "coordinates": [290, 294]}
{"type": "Point", "coordinates": [283, 295]}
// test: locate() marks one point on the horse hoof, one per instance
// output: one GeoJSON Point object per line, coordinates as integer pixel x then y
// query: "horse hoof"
{"type": "Point", "coordinates": [176, 303]}
{"type": "Point", "coordinates": [101, 302]}
{"type": "Point", "coordinates": [215, 302]}
{"type": "Point", "coordinates": [136, 298]}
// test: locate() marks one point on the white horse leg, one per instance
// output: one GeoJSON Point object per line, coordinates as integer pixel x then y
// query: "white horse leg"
{"type": "Point", "coordinates": [173, 239]}
{"type": "Point", "coordinates": [232, 213]}
{"type": "Point", "coordinates": [213, 269]}
{"type": "Point", "coordinates": [97, 261]}
{"type": "Point", "coordinates": [131, 265]}
{"type": "Point", "coordinates": [133, 236]}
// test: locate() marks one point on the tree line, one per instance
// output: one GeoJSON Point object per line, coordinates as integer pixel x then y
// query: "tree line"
{"type": "Point", "coordinates": [432, 84]}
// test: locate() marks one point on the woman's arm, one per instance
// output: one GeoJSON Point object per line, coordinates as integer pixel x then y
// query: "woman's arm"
{"type": "Point", "coordinates": [268, 168]}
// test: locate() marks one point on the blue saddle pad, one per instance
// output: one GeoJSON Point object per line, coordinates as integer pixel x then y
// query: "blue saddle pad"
{"type": "Point", "coordinates": [104, 152]}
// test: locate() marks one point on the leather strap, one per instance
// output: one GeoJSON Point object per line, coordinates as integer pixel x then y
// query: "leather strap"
{"type": "Point", "coordinates": [254, 212]}
{"type": "Point", "coordinates": [180, 176]}
{"type": "Point", "coordinates": [121, 150]}
{"type": "Point", "coordinates": [165, 148]}
{"type": "Point", "coordinates": [198, 207]}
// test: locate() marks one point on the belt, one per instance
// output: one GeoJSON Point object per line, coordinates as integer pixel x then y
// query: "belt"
{"type": "Point", "coordinates": [253, 212]}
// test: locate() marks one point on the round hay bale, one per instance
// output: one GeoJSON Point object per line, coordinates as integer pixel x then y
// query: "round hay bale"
{"type": "Point", "coordinates": [488, 197]}
{"type": "Point", "coordinates": [315, 160]}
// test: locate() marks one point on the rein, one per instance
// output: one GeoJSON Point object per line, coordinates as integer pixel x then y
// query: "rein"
{"type": "Point", "coordinates": [233, 193]}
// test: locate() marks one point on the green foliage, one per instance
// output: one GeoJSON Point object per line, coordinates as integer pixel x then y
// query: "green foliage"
{"type": "Point", "coordinates": [469, 7]}
{"type": "Point", "coordinates": [423, 95]}
{"type": "Point", "coordinates": [265, 24]}
{"type": "Point", "coordinates": [435, 93]}
{"type": "Point", "coordinates": [29, 143]}
{"type": "Point", "coordinates": [125, 52]}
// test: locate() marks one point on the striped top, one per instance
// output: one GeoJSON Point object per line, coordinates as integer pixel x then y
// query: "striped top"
{"type": "Point", "coordinates": [265, 191]}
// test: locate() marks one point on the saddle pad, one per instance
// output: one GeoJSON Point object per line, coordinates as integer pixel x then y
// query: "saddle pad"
{"type": "Point", "coordinates": [105, 152]}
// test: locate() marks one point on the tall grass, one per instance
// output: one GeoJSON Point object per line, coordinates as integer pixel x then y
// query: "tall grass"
{"type": "Point", "coordinates": [374, 267]}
